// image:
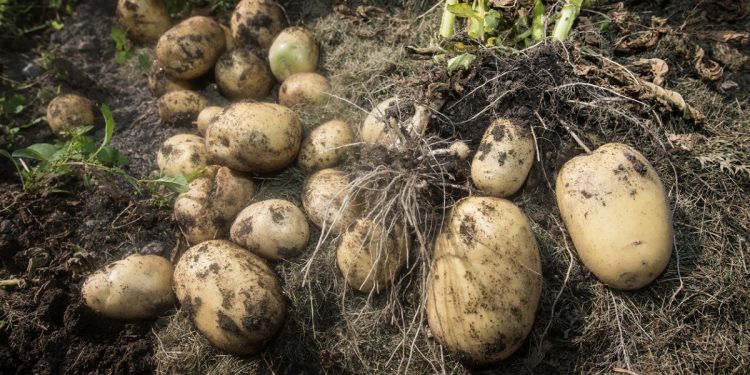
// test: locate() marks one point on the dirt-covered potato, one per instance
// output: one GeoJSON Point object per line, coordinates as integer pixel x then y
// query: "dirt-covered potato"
{"type": "Point", "coordinates": [303, 89]}
{"type": "Point", "coordinates": [205, 117]}
{"type": "Point", "coordinates": [205, 212]}
{"type": "Point", "coordinates": [159, 83]}
{"type": "Point", "coordinates": [143, 20]}
{"type": "Point", "coordinates": [379, 123]}
{"type": "Point", "coordinates": [181, 107]}
{"type": "Point", "coordinates": [229, 44]}
{"type": "Point", "coordinates": [616, 211]}
{"type": "Point", "coordinates": [181, 154]}
{"type": "Point", "coordinates": [325, 146]}
{"type": "Point", "coordinates": [254, 137]}
{"type": "Point", "coordinates": [323, 198]}
{"type": "Point", "coordinates": [241, 74]}
{"type": "Point", "coordinates": [190, 49]}
{"type": "Point", "coordinates": [69, 111]}
{"type": "Point", "coordinates": [485, 281]}
{"type": "Point", "coordinates": [137, 287]}
{"type": "Point", "coordinates": [233, 297]}
{"type": "Point", "coordinates": [369, 258]}
{"type": "Point", "coordinates": [256, 22]}
{"type": "Point", "coordinates": [293, 51]}
{"type": "Point", "coordinates": [460, 149]}
{"type": "Point", "coordinates": [504, 158]}
{"type": "Point", "coordinates": [274, 229]}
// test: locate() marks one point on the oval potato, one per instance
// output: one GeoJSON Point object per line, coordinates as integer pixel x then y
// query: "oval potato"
{"type": "Point", "coordinates": [377, 126]}
{"type": "Point", "coordinates": [69, 111]}
{"type": "Point", "coordinates": [323, 198]}
{"type": "Point", "coordinates": [241, 74]}
{"type": "Point", "coordinates": [159, 83]}
{"type": "Point", "coordinates": [143, 20]}
{"type": "Point", "coordinates": [181, 154]}
{"type": "Point", "coordinates": [274, 229]}
{"type": "Point", "coordinates": [325, 146]}
{"type": "Point", "coordinates": [503, 159]}
{"type": "Point", "coordinates": [204, 118]}
{"type": "Point", "coordinates": [293, 51]}
{"type": "Point", "coordinates": [256, 22]}
{"type": "Point", "coordinates": [181, 107]}
{"type": "Point", "coordinates": [304, 89]}
{"type": "Point", "coordinates": [369, 258]}
{"type": "Point", "coordinates": [190, 49]}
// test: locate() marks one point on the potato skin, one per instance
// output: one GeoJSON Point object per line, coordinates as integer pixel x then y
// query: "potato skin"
{"type": "Point", "coordinates": [485, 282]}
{"type": "Point", "coordinates": [274, 229]}
{"type": "Point", "coordinates": [159, 83]}
{"type": "Point", "coordinates": [181, 107]}
{"type": "Point", "coordinates": [234, 298]}
{"type": "Point", "coordinates": [136, 287]}
{"type": "Point", "coordinates": [254, 137]}
{"type": "Point", "coordinates": [503, 159]}
{"type": "Point", "coordinates": [241, 74]}
{"type": "Point", "coordinates": [143, 20]}
{"type": "Point", "coordinates": [377, 125]}
{"type": "Point", "coordinates": [256, 22]}
{"type": "Point", "coordinates": [304, 89]}
{"type": "Point", "coordinates": [616, 211]}
{"type": "Point", "coordinates": [190, 49]}
{"type": "Point", "coordinates": [293, 51]}
{"type": "Point", "coordinates": [204, 118]}
{"type": "Point", "coordinates": [181, 154]}
{"type": "Point", "coordinates": [69, 111]}
{"type": "Point", "coordinates": [369, 258]}
{"type": "Point", "coordinates": [325, 146]}
{"type": "Point", "coordinates": [323, 198]}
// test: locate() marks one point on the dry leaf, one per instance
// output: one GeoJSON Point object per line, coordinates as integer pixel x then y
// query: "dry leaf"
{"type": "Point", "coordinates": [686, 142]}
{"type": "Point", "coordinates": [725, 36]}
{"type": "Point", "coordinates": [707, 68]}
{"type": "Point", "coordinates": [645, 39]}
{"type": "Point", "coordinates": [502, 3]}
{"type": "Point", "coordinates": [658, 68]}
{"type": "Point", "coordinates": [728, 56]}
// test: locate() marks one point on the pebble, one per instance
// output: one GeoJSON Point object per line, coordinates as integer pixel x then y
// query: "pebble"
{"type": "Point", "coordinates": [32, 70]}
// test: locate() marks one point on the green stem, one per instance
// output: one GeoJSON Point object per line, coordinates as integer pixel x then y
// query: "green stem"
{"type": "Point", "coordinates": [477, 25]}
{"type": "Point", "coordinates": [568, 16]}
{"type": "Point", "coordinates": [537, 21]}
{"type": "Point", "coordinates": [448, 23]}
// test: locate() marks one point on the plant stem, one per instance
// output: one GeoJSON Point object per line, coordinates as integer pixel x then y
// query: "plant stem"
{"type": "Point", "coordinates": [568, 15]}
{"type": "Point", "coordinates": [448, 23]}
{"type": "Point", "coordinates": [537, 21]}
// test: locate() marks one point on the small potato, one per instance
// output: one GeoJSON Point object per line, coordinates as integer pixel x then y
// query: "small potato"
{"type": "Point", "coordinates": [181, 107]}
{"type": "Point", "coordinates": [460, 149]}
{"type": "Point", "coordinates": [137, 287]}
{"type": "Point", "coordinates": [182, 154]}
{"type": "Point", "coordinates": [369, 258]}
{"type": "Point", "coordinates": [304, 89]}
{"type": "Point", "coordinates": [233, 297]}
{"type": "Point", "coordinates": [229, 44]}
{"type": "Point", "coordinates": [293, 51]}
{"type": "Point", "coordinates": [379, 125]}
{"type": "Point", "coordinates": [504, 158]}
{"type": "Point", "coordinates": [159, 83]}
{"type": "Point", "coordinates": [143, 20]}
{"type": "Point", "coordinates": [241, 74]}
{"type": "Point", "coordinates": [190, 49]}
{"type": "Point", "coordinates": [274, 229]}
{"type": "Point", "coordinates": [325, 146]}
{"type": "Point", "coordinates": [616, 211]}
{"type": "Point", "coordinates": [69, 111]}
{"type": "Point", "coordinates": [323, 198]}
{"type": "Point", "coordinates": [205, 212]}
{"type": "Point", "coordinates": [205, 117]}
{"type": "Point", "coordinates": [256, 22]}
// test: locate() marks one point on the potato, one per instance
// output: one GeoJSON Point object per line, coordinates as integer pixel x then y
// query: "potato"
{"type": "Point", "coordinates": [254, 137]}
{"type": "Point", "coordinates": [379, 126]}
{"type": "Point", "coordinates": [234, 298]}
{"type": "Point", "coordinates": [485, 281]}
{"type": "Point", "coordinates": [369, 258]}
{"type": "Point", "coordinates": [241, 74]}
{"type": "Point", "coordinates": [206, 211]}
{"type": "Point", "coordinates": [325, 146]}
{"type": "Point", "coordinates": [137, 287]}
{"type": "Point", "coordinates": [503, 159]}
{"type": "Point", "coordinates": [181, 107]}
{"type": "Point", "coordinates": [323, 198]}
{"type": "Point", "coordinates": [190, 49]}
{"type": "Point", "coordinates": [143, 20]}
{"type": "Point", "coordinates": [459, 149]}
{"type": "Point", "coordinates": [181, 154]}
{"type": "Point", "coordinates": [229, 44]}
{"type": "Point", "coordinates": [159, 83]}
{"type": "Point", "coordinates": [274, 229]}
{"type": "Point", "coordinates": [256, 22]}
{"type": "Point", "coordinates": [293, 51]}
{"type": "Point", "coordinates": [616, 211]}
{"type": "Point", "coordinates": [304, 89]}
{"type": "Point", "coordinates": [69, 111]}
{"type": "Point", "coordinates": [205, 117]}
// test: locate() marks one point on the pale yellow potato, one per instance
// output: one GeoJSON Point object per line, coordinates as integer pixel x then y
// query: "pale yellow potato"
{"type": "Point", "coordinates": [181, 107]}
{"type": "Point", "coordinates": [293, 51]}
{"type": "Point", "coordinates": [485, 281]}
{"type": "Point", "coordinates": [229, 44]}
{"type": "Point", "coordinates": [379, 127]}
{"type": "Point", "coordinates": [503, 159]}
{"type": "Point", "coordinates": [159, 83]}
{"type": "Point", "coordinates": [205, 117]}
{"type": "Point", "coordinates": [182, 154]}
{"type": "Point", "coordinates": [274, 229]}
{"type": "Point", "coordinates": [304, 89]}
{"type": "Point", "coordinates": [206, 211]}
{"type": "Point", "coordinates": [143, 20]}
{"type": "Point", "coordinates": [369, 258]}
{"type": "Point", "coordinates": [69, 111]}
{"type": "Point", "coordinates": [137, 287]}
{"type": "Point", "coordinates": [233, 296]}
{"type": "Point", "coordinates": [256, 23]}
{"type": "Point", "coordinates": [241, 74]}
{"type": "Point", "coordinates": [459, 149]}
{"type": "Point", "coordinates": [616, 211]}
{"type": "Point", "coordinates": [254, 137]}
{"type": "Point", "coordinates": [326, 146]}
{"type": "Point", "coordinates": [190, 49]}
{"type": "Point", "coordinates": [325, 202]}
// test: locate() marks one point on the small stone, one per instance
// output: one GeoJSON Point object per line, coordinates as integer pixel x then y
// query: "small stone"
{"type": "Point", "coordinates": [32, 70]}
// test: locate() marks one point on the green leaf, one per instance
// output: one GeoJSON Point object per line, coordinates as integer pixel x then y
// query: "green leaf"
{"type": "Point", "coordinates": [462, 61]}
{"type": "Point", "coordinates": [39, 151]}
{"type": "Point", "coordinates": [109, 127]}
{"type": "Point", "coordinates": [123, 52]}
{"type": "Point", "coordinates": [463, 10]}
{"type": "Point", "coordinates": [56, 25]}
{"type": "Point", "coordinates": [493, 20]}
{"type": "Point", "coordinates": [178, 184]}
{"type": "Point", "coordinates": [111, 156]}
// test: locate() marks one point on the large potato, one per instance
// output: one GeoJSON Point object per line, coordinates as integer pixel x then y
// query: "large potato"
{"type": "Point", "coordinates": [182, 154]}
{"type": "Point", "coordinates": [274, 229]}
{"type": "Point", "coordinates": [190, 49]}
{"type": "Point", "coordinates": [241, 74]}
{"type": "Point", "coordinates": [159, 83]}
{"type": "Point", "coordinates": [181, 107]}
{"type": "Point", "coordinates": [485, 282]}
{"type": "Point", "coordinates": [234, 298]}
{"type": "Point", "coordinates": [69, 111]}
{"type": "Point", "coordinates": [615, 209]}
{"type": "Point", "coordinates": [137, 287]}
{"type": "Point", "coordinates": [370, 258]}
{"type": "Point", "coordinates": [503, 159]}
{"type": "Point", "coordinates": [143, 20]}
{"type": "Point", "coordinates": [293, 51]}
{"type": "Point", "coordinates": [254, 137]}
{"type": "Point", "coordinates": [325, 146]}
{"type": "Point", "coordinates": [206, 210]}
{"type": "Point", "coordinates": [304, 89]}
{"type": "Point", "coordinates": [324, 200]}
{"type": "Point", "coordinates": [256, 22]}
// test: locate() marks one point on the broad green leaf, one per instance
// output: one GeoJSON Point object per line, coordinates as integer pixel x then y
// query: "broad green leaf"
{"type": "Point", "coordinates": [109, 155]}
{"type": "Point", "coordinates": [493, 21]}
{"type": "Point", "coordinates": [462, 10]}
{"type": "Point", "coordinates": [462, 61]}
{"type": "Point", "coordinates": [39, 151]}
{"type": "Point", "coordinates": [178, 184]}
{"type": "Point", "coordinates": [109, 127]}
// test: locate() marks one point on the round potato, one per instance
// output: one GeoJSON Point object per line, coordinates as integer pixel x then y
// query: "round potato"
{"type": "Point", "coordinates": [293, 51]}
{"type": "Point", "coordinates": [190, 49]}
{"type": "Point", "coordinates": [205, 117]}
{"type": "Point", "coordinates": [181, 107]}
{"type": "Point", "coordinates": [256, 22]}
{"type": "Point", "coordinates": [241, 74]}
{"type": "Point", "coordinates": [254, 137]}
{"type": "Point", "coordinates": [205, 212]}
{"type": "Point", "coordinates": [323, 198]}
{"type": "Point", "coordinates": [234, 298]}
{"type": "Point", "coordinates": [159, 83]}
{"type": "Point", "coordinates": [460, 149]}
{"type": "Point", "coordinates": [485, 281]}
{"type": "Point", "coordinates": [69, 111]}
{"type": "Point", "coordinates": [503, 159]}
{"type": "Point", "coordinates": [274, 229]}
{"type": "Point", "coordinates": [304, 89]}
{"type": "Point", "coordinates": [616, 211]}
{"type": "Point", "coordinates": [380, 124]}
{"type": "Point", "coordinates": [143, 20]}
{"type": "Point", "coordinates": [137, 287]}
{"type": "Point", "coordinates": [182, 154]}
{"type": "Point", "coordinates": [369, 258]}
{"type": "Point", "coordinates": [325, 146]}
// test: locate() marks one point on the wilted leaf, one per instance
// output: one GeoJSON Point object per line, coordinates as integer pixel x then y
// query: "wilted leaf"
{"type": "Point", "coordinates": [707, 68]}
{"type": "Point", "coordinates": [658, 69]}
{"type": "Point", "coordinates": [462, 61]}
